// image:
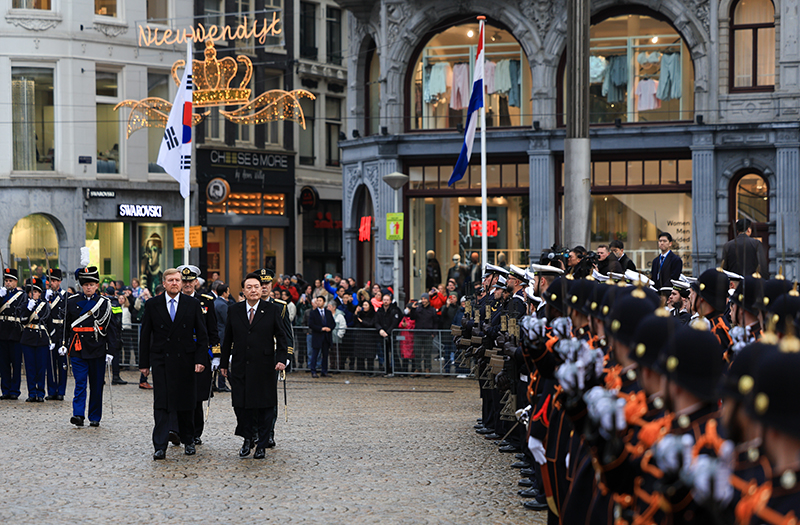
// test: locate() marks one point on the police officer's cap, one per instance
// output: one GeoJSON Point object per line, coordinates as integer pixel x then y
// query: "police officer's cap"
{"type": "Point", "coordinates": [634, 277]}
{"type": "Point", "coordinates": [738, 381]}
{"type": "Point", "coordinates": [776, 389]}
{"type": "Point", "coordinates": [712, 286]}
{"type": "Point", "coordinates": [693, 359]}
{"type": "Point", "coordinates": [651, 336]}
{"type": "Point", "coordinates": [87, 275]}
{"type": "Point", "coordinates": [189, 272]}
{"type": "Point", "coordinates": [749, 294]}
{"type": "Point", "coordinates": [501, 283]}
{"type": "Point", "coordinates": [54, 274]}
{"type": "Point", "coordinates": [265, 275]}
{"type": "Point", "coordinates": [631, 305]}
{"type": "Point", "coordinates": [773, 289]}
{"type": "Point", "coordinates": [732, 276]}
{"type": "Point", "coordinates": [11, 273]}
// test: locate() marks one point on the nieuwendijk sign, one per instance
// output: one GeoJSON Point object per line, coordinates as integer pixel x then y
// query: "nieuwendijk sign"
{"type": "Point", "coordinates": [159, 36]}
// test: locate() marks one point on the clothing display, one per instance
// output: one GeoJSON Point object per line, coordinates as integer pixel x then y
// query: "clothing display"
{"type": "Point", "coordinates": [441, 79]}
{"type": "Point", "coordinates": [669, 84]}
{"type": "Point", "coordinates": [426, 83]}
{"type": "Point", "coordinates": [648, 60]}
{"type": "Point", "coordinates": [646, 93]}
{"type": "Point", "coordinates": [506, 80]}
{"type": "Point", "coordinates": [488, 76]}
{"type": "Point", "coordinates": [615, 84]}
{"type": "Point", "coordinates": [597, 68]}
{"type": "Point", "coordinates": [459, 95]}
{"type": "Point", "coordinates": [502, 77]}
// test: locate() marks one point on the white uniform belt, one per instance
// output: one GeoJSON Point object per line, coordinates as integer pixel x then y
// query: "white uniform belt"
{"type": "Point", "coordinates": [58, 321]}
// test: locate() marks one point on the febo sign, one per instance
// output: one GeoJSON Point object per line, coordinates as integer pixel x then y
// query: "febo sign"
{"type": "Point", "coordinates": [308, 198]}
{"type": "Point", "coordinates": [476, 228]}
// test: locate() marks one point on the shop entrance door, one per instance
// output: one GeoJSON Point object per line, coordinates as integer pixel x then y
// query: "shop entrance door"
{"type": "Point", "coordinates": [250, 249]}
{"type": "Point", "coordinates": [750, 200]}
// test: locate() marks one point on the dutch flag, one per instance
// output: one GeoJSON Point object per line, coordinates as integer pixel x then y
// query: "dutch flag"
{"type": "Point", "coordinates": [175, 153]}
{"type": "Point", "coordinates": [475, 103]}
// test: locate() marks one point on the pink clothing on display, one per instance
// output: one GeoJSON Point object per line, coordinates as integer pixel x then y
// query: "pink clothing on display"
{"type": "Point", "coordinates": [488, 76]}
{"type": "Point", "coordinates": [646, 92]}
{"type": "Point", "coordinates": [459, 98]}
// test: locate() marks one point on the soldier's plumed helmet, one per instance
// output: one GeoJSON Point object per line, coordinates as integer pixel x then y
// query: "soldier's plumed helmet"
{"type": "Point", "coordinates": [749, 294]}
{"type": "Point", "coordinates": [776, 389]}
{"type": "Point", "coordinates": [773, 289]}
{"type": "Point", "coordinates": [651, 336]}
{"type": "Point", "coordinates": [712, 286]}
{"type": "Point", "coordinates": [87, 275]}
{"type": "Point", "coordinates": [579, 292]}
{"type": "Point", "coordinates": [693, 359]}
{"type": "Point", "coordinates": [737, 383]}
{"type": "Point", "coordinates": [630, 307]}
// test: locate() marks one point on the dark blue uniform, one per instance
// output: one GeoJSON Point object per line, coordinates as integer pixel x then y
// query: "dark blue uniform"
{"type": "Point", "coordinates": [10, 349]}
{"type": "Point", "coordinates": [57, 364]}
{"type": "Point", "coordinates": [35, 343]}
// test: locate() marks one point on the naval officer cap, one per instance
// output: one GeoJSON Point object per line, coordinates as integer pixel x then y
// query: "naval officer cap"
{"type": "Point", "coordinates": [266, 275]}
{"type": "Point", "coordinates": [499, 270]}
{"type": "Point", "coordinates": [188, 272]}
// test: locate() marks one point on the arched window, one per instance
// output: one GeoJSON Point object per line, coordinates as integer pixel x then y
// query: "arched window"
{"type": "Point", "coordinates": [440, 81]}
{"type": "Point", "coordinates": [752, 54]}
{"type": "Point", "coordinates": [752, 201]}
{"type": "Point", "coordinates": [640, 70]}
{"type": "Point", "coordinates": [31, 237]}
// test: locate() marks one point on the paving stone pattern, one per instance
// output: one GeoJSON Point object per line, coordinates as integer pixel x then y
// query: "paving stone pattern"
{"type": "Point", "coordinates": [376, 450]}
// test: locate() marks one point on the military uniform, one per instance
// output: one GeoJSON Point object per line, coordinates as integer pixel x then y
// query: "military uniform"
{"type": "Point", "coordinates": [57, 363]}
{"type": "Point", "coordinates": [89, 343]}
{"type": "Point", "coordinates": [10, 331]}
{"type": "Point", "coordinates": [33, 313]}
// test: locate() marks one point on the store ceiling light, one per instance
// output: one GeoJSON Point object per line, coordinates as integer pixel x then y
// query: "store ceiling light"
{"type": "Point", "coordinates": [654, 40]}
{"type": "Point", "coordinates": [470, 33]}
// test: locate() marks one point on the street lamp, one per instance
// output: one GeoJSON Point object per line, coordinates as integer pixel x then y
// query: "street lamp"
{"type": "Point", "coordinates": [396, 180]}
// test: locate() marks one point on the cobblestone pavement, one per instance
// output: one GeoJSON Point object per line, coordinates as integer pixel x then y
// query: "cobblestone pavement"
{"type": "Point", "coordinates": [374, 450]}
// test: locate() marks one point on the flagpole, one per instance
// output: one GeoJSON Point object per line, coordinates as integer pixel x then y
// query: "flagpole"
{"type": "Point", "coordinates": [484, 207]}
{"type": "Point", "coordinates": [187, 212]}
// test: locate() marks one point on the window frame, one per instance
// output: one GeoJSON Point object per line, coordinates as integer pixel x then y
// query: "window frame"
{"type": "Point", "coordinates": [34, 9]}
{"type": "Point", "coordinates": [112, 101]}
{"type": "Point", "coordinates": [119, 7]}
{"type": "Point", "coordinates": [53, 67]}
{"type": "Point", "coordinates": [734, 27]}
{"type": "Point", "coordinates": [160, 22]}
{"type": "Point", "coordinates": [304, 34]}
{"type": "Point", "coordinates": [330, 24]}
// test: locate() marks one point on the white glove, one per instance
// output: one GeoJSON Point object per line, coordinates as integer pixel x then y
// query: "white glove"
{"type": "Point", "coordinates": [3, 291]}
{"type": "Point", "coordinates": [48, 294]}
{"type": "Point", "coordinates": [52, 346]}
{"type": "Point", "coordinates": [566, 460]}
{"type": "Point", "coordinates": [406, 311]}
{"type": "Point", "coordinates": [31, 304]}
{"type": "Point", "coordinates": [215, 364]}
{"type": "Point", "coordinates": [562, 327]}
{"type": "Point", "coordinates": [62, 350]}
{"type": "Point", "coordinates": [537, 449]}
{"type": "Point", "coordinates": [109, 358]}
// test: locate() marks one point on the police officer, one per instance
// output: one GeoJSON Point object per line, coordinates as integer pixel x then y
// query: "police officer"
{"type": "Point", "coordinates": [90, 342]}
{"type": "Point", "coordinates": [33, 312]}
{"type": "Point", "coordinates": [116, 326]}
{"type": "Point", "coordinates": [56, 364]}
{"type": "Point", "coordinates": [10, 350]}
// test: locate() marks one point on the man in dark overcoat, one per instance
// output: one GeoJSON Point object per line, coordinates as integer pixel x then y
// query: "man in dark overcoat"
{"type": "Point", "coordinates": [254, 347]}
{"type": "Point", "coordinates": [174, 343]}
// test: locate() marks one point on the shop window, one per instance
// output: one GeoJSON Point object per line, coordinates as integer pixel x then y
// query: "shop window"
{"type": "Point", "coordinates": [640, 70]}
{"type": "Point", "coordinates": [333, 125]}
{"type": "Point", "coordinates": [33, 123]}
{"type": "Point", "coordinates": [415, 180]}
{"type": "Point", "coordinates": [273, 131]}
{"type": "Point", "coordinates": [308, 31]}
{"type": "Point", "coordinates": [752, 45]}
{"type": "Point", "coordinates": [670, 172]}
{"type": "Point", "coordinates": [45, 5]}
{"type": "Point", "coordinates": [108, 124]}
{"type": "Point", "coordinates": [333, 22]}
{"type": "Point", "coordinates": [752, 200]}
{"type": "Point", "coordinates": [31, 237]}
{"type": "Point", "coordinates": [158, 87]}
{"type": "Point", "coordinates": [246, 9]}
{"type": "Point", "coordinates": [306, 146]}
{"type": "Point", "coordinates": [214, 11]}
{"type": "Point", "coordinates": [105, 7]}
{"type": "Point", "coordinates": [157, 11]}
{"type": "Point", "coordinates": [441, 79]}
{"type": "Point", "coordinates": [249, 204]}
{"type": "Point", "coordinates": [109, 249]}
{"type": "Point", "coordinates": [497, 176]}
{"type": "Point", "coordinates": [322, 238]}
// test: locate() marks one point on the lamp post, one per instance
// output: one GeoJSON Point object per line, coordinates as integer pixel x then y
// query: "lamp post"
{"type": "Point", "coordinates": [396, 180]}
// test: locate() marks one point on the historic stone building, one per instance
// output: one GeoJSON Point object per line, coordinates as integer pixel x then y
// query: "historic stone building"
{"type": "Point", "coordinates": [694, 111]}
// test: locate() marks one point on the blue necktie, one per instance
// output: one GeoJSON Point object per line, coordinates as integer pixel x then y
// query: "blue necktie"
{"type": "Point", "coordinates": [172, 309]}
{"type": "Point", "coordinates": [660, 264]}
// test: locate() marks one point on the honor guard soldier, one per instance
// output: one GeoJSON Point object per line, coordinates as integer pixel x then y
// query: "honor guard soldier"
{"type": "Point", "coordinates": [89, 343]}
{"type": "Point", "coordinates": [57, 363]}
{"type": "Point", "coordinates": [267, 276]}
{"type": "Point", "coordinates": [709, 298]}
{"type": "Point", "coordinates": [10, 332]}
{"type": "Point", "coordinates": [189, 275]}
{"type": "Point", "coordinates": [33, 313]}
{"type": "Point", "coordinates": [516, 283]}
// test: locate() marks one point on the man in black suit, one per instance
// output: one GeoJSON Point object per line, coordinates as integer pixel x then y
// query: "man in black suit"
{"type": "Point", "coordinates": [221, 310]}
{"type": "Point", "coordinates": [174, 343]}
{"type": "Point", "coordinates": [254, 338]}
{"type": "Point", "coordinates": [745, 255]}
{"type": "Point", "coordinates": [618, 249]}
{"type": "Point", "coordinates": [321, 323]}
{"type": "Point", "coordinates": [667, 266]}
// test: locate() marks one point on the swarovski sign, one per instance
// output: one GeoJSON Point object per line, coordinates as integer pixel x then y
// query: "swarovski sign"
{"type": "Point", "coordinates": [151, 211]}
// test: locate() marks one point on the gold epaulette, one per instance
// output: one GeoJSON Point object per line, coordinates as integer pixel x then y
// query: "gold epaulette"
{"type": "Point", "coordinates": [209, 297]}
{"type": "Point", "coordinates": [281, 301]}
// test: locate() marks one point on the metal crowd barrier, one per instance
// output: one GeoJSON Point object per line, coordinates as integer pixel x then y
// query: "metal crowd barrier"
{"type": "Point", "coordinates": [427, 352]}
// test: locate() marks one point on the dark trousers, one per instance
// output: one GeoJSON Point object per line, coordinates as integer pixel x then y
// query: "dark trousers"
{"type": "Point", "coordinates": [117, 353]}
{"type": "Point", "coordinates": [312, 362]}
{"type": "Point", "coordinates": [56, 377]}
{"type": "Point", "coordinates": [220, 380]}
{"type": "Point", "coordinates": [185, 421]}
{"type": "Point", "coordinates": [89, 371]}
{"type": "Point", "coordinates": [10, 367]}
{"type": "Point", "coordinates": [252, 420]}
{"type": "Point", "coordinates": [35, 368]}
{"type": "Point", "coordinates": [199, 419]}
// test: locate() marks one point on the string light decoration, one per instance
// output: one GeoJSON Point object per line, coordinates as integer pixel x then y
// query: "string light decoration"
{"type": "Point", "coordinates": [212, 78]}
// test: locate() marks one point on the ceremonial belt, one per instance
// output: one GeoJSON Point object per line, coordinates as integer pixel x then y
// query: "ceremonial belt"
{"type": "Point", "coordinates": [88, 329]}
{"type": "Point", "coordinates": [35, 327]}
{"type": "Point", "coordinates": [85, 316]}
{"type": "Point", "coordinates": [9, 318]}
{"type": "Point", "coordinates": [58, 321]}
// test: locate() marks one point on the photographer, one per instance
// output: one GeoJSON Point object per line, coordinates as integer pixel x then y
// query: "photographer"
{"type": "Point", "coordinates": [607, 261]}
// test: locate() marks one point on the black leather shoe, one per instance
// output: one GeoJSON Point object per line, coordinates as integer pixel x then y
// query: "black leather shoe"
{"type": "Point", "coordinates": [270, 443]}
{"type": "Point", "coordinates": [529, 472]}
{"type": "Point", "coordinates": [532, 492]}
{"type": "Point", "coordinates": [503, 443]}
{"type": "Point", "coordinates": [324, 374]}
{"type": "Point", "coordinates": [224, 389]}
{"type": "Point", "coordinates": [31, 399]}
{"type": "Point", "coordinates": [535, 505]}
{"type": "Point", "coordinates": [508, 449]}
{"type": "Point", "coordinates": [77, 420]}
{"type": "Point", "coordinates": [314, 374]}
{"type": "Point", "coordinates": [521, 457]}
{"type": "Point", "coordinates": [39, 399]}
{"type": "Point", "coordinates": [174, 438]}
{"type": "Point", "coordinates": [485, 430]}
{"type": "Point", "coordinates": [12, 397]}
{"type": "Point", "coordinates": [479, 421]}
{"type": "Point", "coordinates": [50, 398]}
{"type": "Point", "coordinates": [477, 426]}
{"type": "Point", "coordinates": [189, 449]}
{"type": "Point", "coordinates": [160, 454]}
{"type": "Point", "coordinates": [245, 450]}
{"type": "Point", "coordinates": [118, 381]}
{"type": "Point", "coordinates": [521, 464]}
{"type": "Point", "coordinates": [198, 441]}
{"type": "Point", "coordinates": [492, 436]}
{"type": "Point", "coordinates": [526, 482]}
{"type": "Point", "coordinates": [58, 398]}
{"type": "Point", "coordinates": [260, 453]}
{"type": "Point", "coordinates": [94, 423]}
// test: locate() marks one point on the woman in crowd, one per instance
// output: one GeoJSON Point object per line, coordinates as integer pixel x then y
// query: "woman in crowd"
{"type": "Point", "coordinates": [365, 336]}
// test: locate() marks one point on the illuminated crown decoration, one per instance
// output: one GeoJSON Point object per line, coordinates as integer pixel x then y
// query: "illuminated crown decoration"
{"type": "Point", "coordinates": [212, 78]}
